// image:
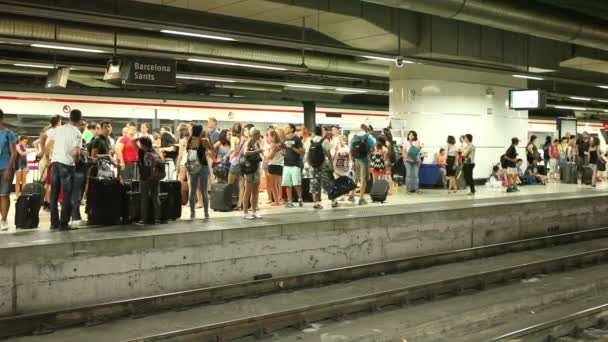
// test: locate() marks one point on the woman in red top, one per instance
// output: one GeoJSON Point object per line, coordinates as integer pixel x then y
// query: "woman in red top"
{"type": "Point", "coordinates": [127, 153]}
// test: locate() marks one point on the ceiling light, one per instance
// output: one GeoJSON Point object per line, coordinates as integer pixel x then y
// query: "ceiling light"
{"type": "Point", "coordinates": [196, 78]}
{"type": "Point", "coordinates": [580, 98]}
{"type": "Point", "coordinates": [351, 90]}
{"type": "Point", "coordinates": [40, 66]}
{"type": "Point", "coordinates": [386, 59]}
{"type": "Point", "coordinates": [529, 77]}
{"type": "Point", "coordinates": [304, 86]}
{"type": "Point", "coordinates": [69, 48]}
{"type": "Point", "coordinates": [569, 107]}
{"type": "Point", "coordinates": [603, 87]}
{"type": "Point", "coordinates": [198, 35]}
{"type": "Point", "coordinates": [236, 64]}
{"type": "Point", "coordinates": [605, 101]}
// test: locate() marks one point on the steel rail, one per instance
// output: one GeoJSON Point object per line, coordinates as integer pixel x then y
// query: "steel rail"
{"type": "Point", "coordinates": [262, 325]}
{"type": "Point", "coordinates": [572, 324]}
{"type": "Point", "coordinates": [47, 322]}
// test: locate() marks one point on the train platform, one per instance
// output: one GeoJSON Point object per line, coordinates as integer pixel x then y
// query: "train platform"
{"type": "Point", "coordinates": [98, 264]}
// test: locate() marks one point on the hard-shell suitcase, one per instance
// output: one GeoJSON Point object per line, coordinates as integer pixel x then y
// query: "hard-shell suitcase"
{"type": "Point", "coordinates": [461, 183]}
{"type": "Point", "coordinates": [37, 186]}
{"type": "Point", "coordinates": [379, 191]}
{"type": "Point", "coordinates": [221, 197]}
{"type": "Point", "coordinates": [569, 174]}
{"type": "Point", "coordinates": [132, 207]}
{"type": "Point", "coordinates": [104, 201]}
{"type": "Point", "coordinates": [27, 211]}
{"type": "Point", "coordinates": [587, 175]}
{"type": "Point", "coordinates": [173, 189]}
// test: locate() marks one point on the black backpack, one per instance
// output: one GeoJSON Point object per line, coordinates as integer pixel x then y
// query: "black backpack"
{"type": "Point", "coordinates": [503, 161]}
{"type": "Point", "coordinates": [316, 155]}
{"type": "Point", "coordinates": [359, 147]}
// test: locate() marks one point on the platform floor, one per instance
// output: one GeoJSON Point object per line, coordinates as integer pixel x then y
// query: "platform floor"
{"type": "Point", "coordinates": [429, 200]}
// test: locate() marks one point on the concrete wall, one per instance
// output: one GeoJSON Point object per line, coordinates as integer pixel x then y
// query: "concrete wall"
{"type": "Point", "coordinates": [84, 272]}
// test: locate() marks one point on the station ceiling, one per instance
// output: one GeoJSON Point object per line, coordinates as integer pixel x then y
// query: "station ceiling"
{"type": "Point", "coordinates": [319, 42]}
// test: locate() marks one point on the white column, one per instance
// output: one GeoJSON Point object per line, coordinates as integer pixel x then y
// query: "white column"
{"type": "Point", "coordinates": [437, 102]}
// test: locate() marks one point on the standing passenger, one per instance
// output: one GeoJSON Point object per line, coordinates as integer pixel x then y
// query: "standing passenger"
{"type": "Point", "coordinates": [252, 152]}
{"type": "Point", "coordinates": [511, 161]}
{"type": "Point", "coordinates": [21, 168]}
{"type": "Point", "coordinates": [8, 155]}
{"type": "Point", "coordinates": [292, 171]}
{"type": "Point", "coordinates": [594, 154]}
{"type": "Point", "coordinates": [468, 154]}
{"type": "Point", "coordinates": [127, 153]}
{"type": "Point", "coordinates": [222, 146]}
{"type": "Point", "coordinates": [198, 169]}
{"type": "Point", "coordinates": [546, 154]}
{"type": "Point", "coordinates": [80, 170]}
{"type": "Point", "coordinates": [554, 156]}
{"type": "Point", "coordinates": [360, 146]}
{"type": "Point", "coordinates": [275, 167]}
{"type": "Point", "coordinates": [149, 184]}
{"type": "Point", "coordinates": [319, 155]}
{"type": "Point", "coordinates": [379, 159]}
{"type": "Point", "coordinates": [411, 155]}
{"type": "Point", "coordinates": [234, 155]}
{"type": "Point", "coordinates": [65, 142]}
{"type": "Point", "coordinates": [452, 164]}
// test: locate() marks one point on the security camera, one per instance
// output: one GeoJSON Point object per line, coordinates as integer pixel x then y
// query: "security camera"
{"type": "Point", "coordinates": [399, 61]}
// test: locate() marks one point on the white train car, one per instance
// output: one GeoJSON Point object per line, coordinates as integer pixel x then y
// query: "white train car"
{"type": "Point", "coordinates": [97, 108]}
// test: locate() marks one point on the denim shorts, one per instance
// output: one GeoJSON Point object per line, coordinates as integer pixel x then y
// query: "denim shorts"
{"type": "Point", "coordinates": [235, 170]}
{"type": "Point", "coordinates": [5, 186]}
{"type": "Point", "coordinates": [292, 176]}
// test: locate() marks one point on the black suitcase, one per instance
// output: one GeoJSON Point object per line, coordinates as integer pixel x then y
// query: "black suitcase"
{"type": "Point", "coordinates": [104, 201]}
{"type": "Point", "coordinates": [340, 187]}
{"type": "Point", "coordinates": [379, 191]}
{"type": "Point", "coordinates": [221, 197]}
{"type": "Point", "coordinates": [569, 174]}
{"type": "Point", "coordinates": [37, 186]}
{"type": "Point", "coordinates": [587, 175]}
{"type": "Point", "coordinates": [173, 189]}
{"type": "Point", "coordinates": [132, 207]}
{"type": "Point", "coordinates": [27, 211]}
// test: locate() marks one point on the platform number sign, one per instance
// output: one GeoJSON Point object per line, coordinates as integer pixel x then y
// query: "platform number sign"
{"type": "Point", "coordinates": [66, 109]}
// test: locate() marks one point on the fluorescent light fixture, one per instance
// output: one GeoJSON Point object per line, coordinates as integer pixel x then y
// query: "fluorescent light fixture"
{"type": "Point", "coordinates": [198, 35]}
{"type": "Point", "coordinates": [227, 95]}
{"type": "Point", "coordinates": [605, 111]}
{"type": "Point", "coordinates": [351, 90]}
{"type": "Point", "coordinates": [255, 66]}
{"type": "Point", "coordinates": [68, 48]}
{"type": "Point", "coordinates": [605, 101]}
{"type": "Point", "coordinates": [529, 77]}
{"type": "Point", "coordinates": [385, 59]}
{"type": "Point", "coordinates": [569, 107]}
{"type": "Point", "coordinates": [39, 66]}
{"type": "Point", "coordinates": [580, 98]}
{"type": "Point", "coordinates": [304, 86]}
{"type": "Point", "coordinates": [196, 78]}
{"type": "Point", "coordinates": [603, 87]}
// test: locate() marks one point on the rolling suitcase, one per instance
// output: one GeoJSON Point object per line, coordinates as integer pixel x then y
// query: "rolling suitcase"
{"type": "Point", "coordinates": [461, 183]}
{"type": "Point", "coordinates": [306, 195]}
{"type": "Point", "coordinates": [36, 186]}
{"type": "Point", "coordinates": [379, 191]}
{"type": "Point", "coordinates": [569, 174]}
{"type": "Point", "coordinates": [27, 211]}
{"type": "Point", "coordinates": [587, 175]}
{"type": "Point", "coordinates": [221, 197]}
{"type": "Point", "coordinates": [132, 207]}
{"type": "Point", "coordinates": [105, 201]}
{"type": "Point", "coordinates": [173, 189]}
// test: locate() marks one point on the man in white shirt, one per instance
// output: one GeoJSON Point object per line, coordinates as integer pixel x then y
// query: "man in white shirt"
{"type": "Point", "coordinates": [64, 142]}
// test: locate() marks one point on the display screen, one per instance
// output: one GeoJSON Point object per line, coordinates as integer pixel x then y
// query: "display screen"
{"type": "Point", "coordinates": [525, 99]}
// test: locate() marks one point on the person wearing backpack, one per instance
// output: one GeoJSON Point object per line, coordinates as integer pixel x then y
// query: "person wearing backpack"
{"type": "Point", "coordinates": [411, 155]}
{"type": "Point", "coordinates": [360, 147]}
{"type": "Point", "coordinates": [198, 168]}
{"type": "Point", "coordinates": [250, 167]}
{"type": "Point", "coordinates": [151, 171]}
{"type": "Point", "coordinates": [319, 157]}
{"type": "Point", "coordinates": [292, 170]}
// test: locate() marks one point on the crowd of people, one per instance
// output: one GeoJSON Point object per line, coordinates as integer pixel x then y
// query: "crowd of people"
{"type": "Point", "coordinates": [294, 163]}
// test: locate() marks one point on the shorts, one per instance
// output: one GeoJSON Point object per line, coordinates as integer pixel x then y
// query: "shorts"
{"type": "Point", "coordinates": [377, 172]}
{"type": "Point", "coordinates": [361, 168]}
{"type": "Point", "coordinates": [553, 165]}
{"type": "Point", "coordinates": [5, 186]}
{"type": "Point", "coordinates": [292, 176]}
{"type": "Point", "coordinates": [320, 179]}
{"type": "Point", "coordinates": [253, 178]}
{"type": "Point", "coordinates": [512, 171]}
{"type": "Point", "coordinates": [235, 170]}
{"type": "Point", "coordinates": [275, 170]}
{"type": "Point", "coordinates": [450, 170]}
{"type": "Point", "coordinates": [593, 167]}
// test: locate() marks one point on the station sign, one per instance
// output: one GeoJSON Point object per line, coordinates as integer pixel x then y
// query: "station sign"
{"type": "Point", "coordinates": [142, 71]}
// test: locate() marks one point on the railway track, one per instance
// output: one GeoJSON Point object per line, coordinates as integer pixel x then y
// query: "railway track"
{"type": "Point", "coordinates": [261, 325]}
{"type": "Point", "coordinates": [586, 325]}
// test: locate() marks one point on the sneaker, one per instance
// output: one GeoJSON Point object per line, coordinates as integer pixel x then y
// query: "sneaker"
{"type": "Point", "coordinates": [510, 190]}
{"type": "Point", "coordinates": [76, 224]}
{"type": "Point", "coordinates": [140, 223]}
{"type": "Point", "coordinates": [334, 204]}
{"type": "Point", "coordinates": [4, 226]}
{"type": "Point", "coordinates": [289, 205]}
{"type": "Point", "coordinates": [471, 194]}
{"type": "Point", "coordinates": [420, 192]}
{"type": "Point", "coordinates": [362, 201]}
{"type": "Point", "coordinates": [249, 217]}
{"type": "Point", "coordinates": [257, 216]}
{"type": "Point", "coordinates": [351, 199]}
{"type": "Point", "coordinates": [318, 206]}
{"type": "Point", "coordinates": [301, 204]}
{"type": "Point", "coordinates": [593, 185]}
